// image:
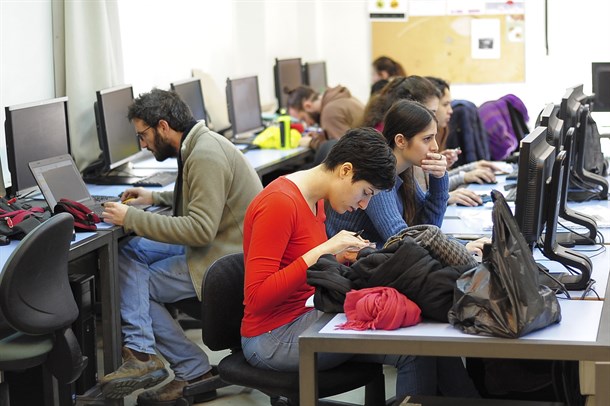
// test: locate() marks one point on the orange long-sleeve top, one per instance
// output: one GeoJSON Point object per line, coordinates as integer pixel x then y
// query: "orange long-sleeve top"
{"type": "Point", "coordinates": [278, 229]}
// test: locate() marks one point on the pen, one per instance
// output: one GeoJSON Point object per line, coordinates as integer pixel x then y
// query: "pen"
{"type": "Point", "coordinates": [358, 233]}
{"type": "Point", "coordinates": [128, 200]}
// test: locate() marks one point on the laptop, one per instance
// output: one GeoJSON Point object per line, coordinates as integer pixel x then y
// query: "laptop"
{"type": "Point", "coordinates": [58, 178]}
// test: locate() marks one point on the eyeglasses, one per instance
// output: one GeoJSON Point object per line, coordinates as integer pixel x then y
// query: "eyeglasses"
{"type": "Point", "coordinates": [140, 134]}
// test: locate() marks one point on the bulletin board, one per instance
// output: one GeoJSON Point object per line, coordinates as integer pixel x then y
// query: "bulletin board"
{"type": "Point", "coordinates": [441, 46]}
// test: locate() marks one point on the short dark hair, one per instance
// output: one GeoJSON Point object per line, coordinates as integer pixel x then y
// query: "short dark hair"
{"type": "Point", "coordinates": [159, 105]}
{"type": "Point", "coordinates": [372, 159]}
{"type": "Point", "coordinates": [298, 95]}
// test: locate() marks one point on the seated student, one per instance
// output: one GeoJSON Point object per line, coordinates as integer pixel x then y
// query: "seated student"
{"type": "Point", "coordinates": [476, 172]}
{"type": "Point", "coordinates": [284, 234]}
{"type": "Point", "coordinates": [410, 130]}
{"type": "Point", "coordinates": [166, 262]}
{"type": "Point", "coordinates": [335, 110]}
{"type": "Point", "coordinates": [384, 69]}
{"type": "Point", "coordinates": [429, 204]}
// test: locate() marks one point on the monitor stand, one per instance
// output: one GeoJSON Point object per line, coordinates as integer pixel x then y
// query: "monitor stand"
{"type": "Point", "coordinates": [123, 175]}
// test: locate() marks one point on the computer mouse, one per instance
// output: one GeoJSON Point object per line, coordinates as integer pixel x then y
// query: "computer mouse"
{"type": "Point", "coordinates": [4, 240]}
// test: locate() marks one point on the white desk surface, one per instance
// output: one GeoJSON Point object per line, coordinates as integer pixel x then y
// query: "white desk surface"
{"type": "Point", "coordinates": [7, 250]}
{"type": "Point", "coordinates": [575, 314]}
{"type": "Point", "coordinates": [258, 158]}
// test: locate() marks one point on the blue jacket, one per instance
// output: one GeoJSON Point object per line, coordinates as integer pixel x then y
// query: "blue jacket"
{"type": "Point", "coordinates": [383, 218]}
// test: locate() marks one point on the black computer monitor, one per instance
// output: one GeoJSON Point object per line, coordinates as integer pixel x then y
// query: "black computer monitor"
{"type": "Point", "coordinates": [117, 137]}
{"type": "Point", "coordinates": [601, 85]}
{"type": "Point", "coordinates": [288, 75]}
{"type": "Point", "coordinates": [34, 131]}
{"type": "Point", "coordinates": [244, 106]}
{"type": "Point", "coordinates": [574, 111]}
{"type": "Point", "coordinates": [536, 157]}
{"type": "Point", "coordinates": [314, 75]}
{"type": "Point", "coordinates": [189, 90]}
{"type": "Point", "coordinates": [580, 265]}
{"type": "Point", "coordinates": [569, 109]}
{"type": "Point", "coordinates": [554, 125]}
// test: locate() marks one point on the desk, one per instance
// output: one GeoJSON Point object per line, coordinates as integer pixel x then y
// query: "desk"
{"type": "Point", "coordinates": [101, 243]}
{"type": "Point", "coordinates": [583, 334]}
{"type": "Point", "coordinates": [262, 160]}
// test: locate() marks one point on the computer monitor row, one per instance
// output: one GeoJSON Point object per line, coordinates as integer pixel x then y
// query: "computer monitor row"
{"type": "Point", "coordinates": [243, 96]}
{"type": "Point", "coordinates": [550, 157]}
{"type": "Point", "coordinates": [291, 73]}
{"type": "Point", "coordinates": [40, 130]}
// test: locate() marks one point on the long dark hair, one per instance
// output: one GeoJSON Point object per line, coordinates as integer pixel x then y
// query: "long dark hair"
{"type": "Point", "coordinates": [410, 88]}
{"type": "Point", "coordinates": [408, 118]}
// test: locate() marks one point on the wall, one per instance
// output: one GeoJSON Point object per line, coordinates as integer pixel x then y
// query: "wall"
{"type": "Point", "coordinates": [26, 58]}
{"type": "Point", "coordinates": [163, 41]}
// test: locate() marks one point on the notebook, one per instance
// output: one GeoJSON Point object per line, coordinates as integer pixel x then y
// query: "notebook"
{"type": "Point", "coordinates": [58, 178]}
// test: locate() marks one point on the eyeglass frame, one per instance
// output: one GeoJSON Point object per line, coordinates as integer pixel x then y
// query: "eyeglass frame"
{"type": "Point", "coordinates": [140, 134]}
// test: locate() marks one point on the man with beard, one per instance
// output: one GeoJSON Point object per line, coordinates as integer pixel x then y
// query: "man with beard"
{"type": "Point", "coordinates": [335, 110]}
{"type": "Point", "coordinates": [166, 262]}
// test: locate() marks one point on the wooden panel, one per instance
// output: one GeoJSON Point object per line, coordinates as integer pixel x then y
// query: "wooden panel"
{"type": "Point", "coordinates": [440, 46]}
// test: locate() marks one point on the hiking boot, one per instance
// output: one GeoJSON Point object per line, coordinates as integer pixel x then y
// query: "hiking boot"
{"type": "Point", "coordinates": [133, 374]}
{"type": "Point", "coordinates": [168, 394]}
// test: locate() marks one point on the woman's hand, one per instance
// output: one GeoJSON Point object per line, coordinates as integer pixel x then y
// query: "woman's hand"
{"type": "Point", "coordinates": [435, 164]}
{"type": "Point", "coordinates": [451, 155]}
{"type": "Point", "coordinates": [464, 197]}
{"type": "Point", "coordinates": [479, 176]}
{"type": "Point", "coordinates": [341, 244]}
{"type": "Point", "coordinates": [476, 247]}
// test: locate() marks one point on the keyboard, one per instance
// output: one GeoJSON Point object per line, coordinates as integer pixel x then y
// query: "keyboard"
{"type": "Point", "coordinates": [103, 199]}
{"type": "Point", "coordinates": [157, 179]}
{"type": "Point", "coordinates": [511, 195]}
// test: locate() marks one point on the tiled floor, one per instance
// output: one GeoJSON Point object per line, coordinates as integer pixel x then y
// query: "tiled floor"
{"type": "Point", "coordinates": [240, 396]}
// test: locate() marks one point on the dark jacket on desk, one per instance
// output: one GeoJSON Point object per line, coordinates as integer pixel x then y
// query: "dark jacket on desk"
{"type": "Point", "coordinates": [407, 267]}
{"type": "Point", "coordinates": [467, 132]}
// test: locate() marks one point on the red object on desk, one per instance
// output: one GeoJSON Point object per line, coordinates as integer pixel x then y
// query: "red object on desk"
{"type": "Point", "coordinates": [298, 126]}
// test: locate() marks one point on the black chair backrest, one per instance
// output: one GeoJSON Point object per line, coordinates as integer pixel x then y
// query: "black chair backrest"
{"type": "Point", "coordinates": [222, 305]}
{"type": "Point", "coordinates": [35, 295]}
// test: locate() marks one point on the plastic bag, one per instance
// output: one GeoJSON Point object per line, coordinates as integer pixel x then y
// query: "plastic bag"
{"type": "Point", "coordinates": [502, 297]}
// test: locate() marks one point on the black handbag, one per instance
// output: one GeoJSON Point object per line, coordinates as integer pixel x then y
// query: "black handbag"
{"type": "Point", "coordinates": [502, 297]}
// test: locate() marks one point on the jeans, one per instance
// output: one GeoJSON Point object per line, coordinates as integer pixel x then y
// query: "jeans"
{"type": "Point", "coordinates": [278, 350]}
{"type": "Point", "coordinates": [152, 273]}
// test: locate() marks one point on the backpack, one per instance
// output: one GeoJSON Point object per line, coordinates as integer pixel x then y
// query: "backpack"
{"type": "Point", "coordinates": [504, 120]}
{"type": "Point", "coordinates": [466, 131]}
{"type": "Point", "coordinates": [18, 219]}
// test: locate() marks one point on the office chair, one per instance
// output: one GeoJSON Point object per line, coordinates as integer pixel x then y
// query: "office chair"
{"type": "Point", "coordinates": [37, 306]}
{"type": "Point", "coordinates": [222, 311]}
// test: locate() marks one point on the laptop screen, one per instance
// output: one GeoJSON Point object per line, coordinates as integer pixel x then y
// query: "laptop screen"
{"type": "Point", "coordinates": [58, 178]}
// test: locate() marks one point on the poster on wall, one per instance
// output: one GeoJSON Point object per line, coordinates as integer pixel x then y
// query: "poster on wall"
{"type": "Point", "coordinates": [388, 10]}
{"type": "Point", "coordinates": [485, 38]}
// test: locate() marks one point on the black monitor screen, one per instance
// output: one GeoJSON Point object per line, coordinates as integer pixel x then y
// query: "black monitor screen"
{"type": "Point", "coordinates": [315, 76]}
{"type": "Point", "coordinates": [536, 157]}
{"type": "Point", "coordinates": [553, 124]}
{"type": "Point", "coordinates": [288, 75]}
{"type": "Point", "coordinates": [243, 103]}
{"type": "Point", "coordinates": [601, 86]}
{"type": "Point", "coordinates": [569, 109]}
{"type": "Point", "coordinates": [116, 134]}
{"type": "Point", "coordinates": [34, 131]}
{"type": "Point", "coordinates": [189, 90]}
